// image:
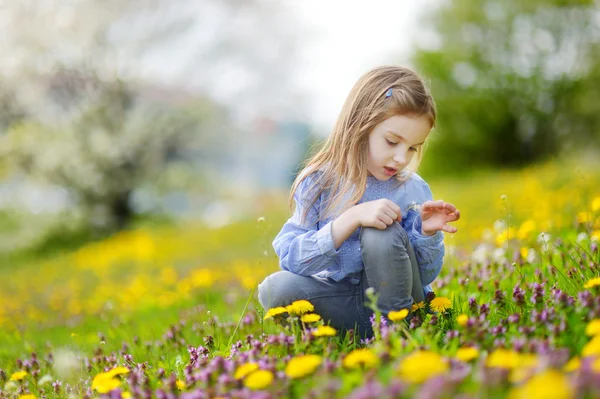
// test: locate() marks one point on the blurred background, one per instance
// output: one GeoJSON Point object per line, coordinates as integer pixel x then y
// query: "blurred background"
{"type": "Point", "coordinates": [115, 113]}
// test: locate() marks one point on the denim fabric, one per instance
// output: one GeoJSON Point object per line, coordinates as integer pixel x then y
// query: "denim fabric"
{"type": "Point", "coordinates": [390, 268]}
{"type": "Point", "coordinates": [305, 245]}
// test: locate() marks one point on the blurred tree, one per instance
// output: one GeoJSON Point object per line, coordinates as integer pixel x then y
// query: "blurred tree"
{"type": "Point", "coordinates": [86, 72]}
{"type": "Point", "coordinates": [514, 82]}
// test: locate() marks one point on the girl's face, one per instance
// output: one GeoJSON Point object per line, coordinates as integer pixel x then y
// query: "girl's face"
{"type": "Point", "coordinates": [393, 143]}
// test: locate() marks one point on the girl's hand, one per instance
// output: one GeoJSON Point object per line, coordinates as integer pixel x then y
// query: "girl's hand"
{"type": "Point", "coordinates": [435, 215]}
{"type": "Point", "coordinates": [379, 213]}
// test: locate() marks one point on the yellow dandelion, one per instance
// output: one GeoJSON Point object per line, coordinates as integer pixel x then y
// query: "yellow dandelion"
{"type": "Point", "coordinates": [594, 282]}
{"type": "Point", "coordinates": [596, 204]}
{"type": "Point", "coordinates": [28, 396]}
{"type": "Point", "coordinates": [467, 354]}
{"type": "Point", "coordinates": [310, 318]}
{"type": "Point", "coordinates": [583, 217]}
{"type": "Point", "coordinates": [572, 365]}
{"type": "Point", "coordinates": [105, 382]}
{"type": "Point", "coordinates": [275, 312]}
{"type": "Point", "coordinates": [595, 236]}
{"type": "Point", "coordinates": [524, 252]}
{"type": "Point", "coordinates": [118, 371]}
{"type": "Point", "coordinates": [592, 348]}
{"type": "Point", "coordinates": [440, 304]}
{"type": "Point", "coordinates": [593, 327]}
{"type": "Point", "coordinates": [245, 369]}
{"type": "Point", "coordinates": [301, 366]}
{"type": "Point", "coordinates": [360, 358]}
{"type": "Point", "coordinates": [300, 307]}
{"type": "Point", "coordinates": [180, 384]}
{"type": "Point", "coordinates": [324, 331]}
{"type": "Point", "coordinates": [417, 306]}
{"type": "Point", "coordinates": [126, 395]}
{"type": "Point", "coordinates": [18, 375]}
{"type": "Point", "coordinates": [462, 320]}
{"type": "Point", "coordinates": [526, 229]}
{"type": "Point", "coordinates": [503, 358]}
{"type": "Point", "coordinates": [420, 366]}
{"type": "Point", "coordinates": [398, 315]}
{"type": "Point", "coordinates": [259, 379]}
{"type": "Point", "coordinates": [549, 384]}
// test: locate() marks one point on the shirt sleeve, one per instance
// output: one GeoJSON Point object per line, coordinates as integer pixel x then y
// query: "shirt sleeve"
{"type": "Point", "coordinates": [303, 248]}
{"type": "Point", "coordinates": [429, 250]}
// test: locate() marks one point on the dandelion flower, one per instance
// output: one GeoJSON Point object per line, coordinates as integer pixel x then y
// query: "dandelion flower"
{"type": "Point", "coordinates": [301, 366]}
{"type": "Point", "coordinates": [28, 396]}
{"type": "Point", "coordinates": [593, 327]}
{"type": "Point", "coordinates": [583, 217]}
{"type": "Point", "coordinates": [440, 304]}
{"type": "Point", "coordinates": [572, 365]}
{"type": "Point", "coordinates": [549, 384]}
{"type": "Point", "coordinates": [596, 204]}
{"type": "Point", "coordinates": [420, 366]}
{"type": "Point", "coordinates": [592, 348]}
{"type": "Point", "coordinates": [398, 315]}
{"type": "Point", "coordinates": [18, 376]}
{"type": "Point", "coordinates": [259, 379]}
{"type": "Point", "coordinates": [360, 358]}
{"type": "Point", "coordinates": [180, 384]}
{"type": "Point", "coordinates": [245, 369]}
{"type": "Point", "coordinates": [594, 282]}
{"type": "Point", "coordinates": [417, 306]}
{"type": "Point", "coordinates": [503, 358]}
{"type": "Point", "coordinates": [300, 307]}
{"type": "Point", "coordinates": [467, 354]}
{"type": "Point", "coordinates": [310, 318]}
{"type": "Point", "coordinates": [462, 320]}
{"type": "Point", "coordinates": [275, 312]}
{"type": "Point", "coordinates": [105, 382]}
{"type": "Point", "coordinates": [324, 331]}
{"type": "Point", "coordinates": [118, 371]}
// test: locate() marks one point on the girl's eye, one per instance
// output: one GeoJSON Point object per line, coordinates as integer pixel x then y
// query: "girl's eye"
{"type": "Point", "coordinates": [390, 142]}
{"type": "Point", "coordinates": [413, 149]}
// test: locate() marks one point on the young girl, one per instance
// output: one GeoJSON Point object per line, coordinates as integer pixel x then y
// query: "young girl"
{"type": "Point", "coordinates": [363, 218]}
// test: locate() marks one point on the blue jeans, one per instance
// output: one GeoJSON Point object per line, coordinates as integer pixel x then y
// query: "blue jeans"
{"type": "Point", "coordinates": [390, 267]}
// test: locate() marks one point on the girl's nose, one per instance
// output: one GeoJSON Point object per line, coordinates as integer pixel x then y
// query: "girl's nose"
{"type": "Point", "coordinates": [400, 157]}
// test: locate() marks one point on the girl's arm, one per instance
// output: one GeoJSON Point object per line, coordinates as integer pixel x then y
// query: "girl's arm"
{"type": "Point", "coordinates": [303, 248]}
{"type": "Point", "coordinates": [429, 249]}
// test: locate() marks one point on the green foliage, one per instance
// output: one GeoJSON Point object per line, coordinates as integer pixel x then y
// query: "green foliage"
{"type": "Point", "coordinates": [514, 82]}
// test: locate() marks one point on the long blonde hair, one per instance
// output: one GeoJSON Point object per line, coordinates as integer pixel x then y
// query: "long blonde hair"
{"type": "Point", "coordinates": [343, 158]}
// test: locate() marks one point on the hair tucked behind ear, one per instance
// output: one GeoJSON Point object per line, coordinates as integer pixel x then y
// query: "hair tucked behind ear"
{"type": "Point", "coordinates": [343, 158]}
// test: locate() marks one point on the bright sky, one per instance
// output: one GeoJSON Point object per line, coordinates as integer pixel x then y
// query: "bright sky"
{"type": "Point", "coordinates": [352, 37]}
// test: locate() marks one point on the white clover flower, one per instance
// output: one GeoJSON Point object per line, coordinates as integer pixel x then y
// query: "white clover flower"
{"type": "Point", "coordinates": [414, 206]}
{"type": "Point", "coordinates": [499, 226]}
{"type": "Point", "coordinates": [499, 255]}
{"type": "Point", "coordinates": [581, 237]}
{"type": "Point", "coordinates": [544, 238]}
{"type": "Point", "coordinates": [532, 256]}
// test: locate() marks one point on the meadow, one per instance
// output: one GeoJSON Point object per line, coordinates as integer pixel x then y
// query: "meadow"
{"type": "Point", "coordinates": [171, 311]}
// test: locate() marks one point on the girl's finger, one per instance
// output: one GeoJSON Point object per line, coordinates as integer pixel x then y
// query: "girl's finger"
{"type": "Point", "coordinates": [449, 229]}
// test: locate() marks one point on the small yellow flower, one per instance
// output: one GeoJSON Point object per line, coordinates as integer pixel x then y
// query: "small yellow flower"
{"type": "Point", "coordinates": [583, 217]}
{"type": "Point", "coordinates": [594, 282]}
{"type": "Point", "coordinates": [467, 354]}
{"type": "Point", "coordinates": [573, 365]}
{"type": "Point", "coordinates": [398, 315]}
{"type": "Point", "coordinates": [503, 358]}
{"type": "Point", "coordinates": [105, 382]}
{"type": "Point", "coordinates": [259, 379]}
{"type": "Point", "coordinates": [420, 366]}
{"type": "Point", "coordinates": [360, 358]}
{"type": "Point", "coordinates": [596, 204]}
{"type": "Point", "coordinates": [180, 384]}
{"type": "Point", "coordinates": [245, 369]}
{"type": "Point", "coordinates": [417, 306]}
{"type": "Point", "coordinates": [592, 348]}
{"type": "Point", "coordinates": [593, 327]}
{"type": "Point", "coordinates": [301, 366]}
{"type": "Point", "coordinates": [549, 384]}
{"type": "Point", "coordinates": [324, 331]}
{"type": "Point", "coordinates": [126, 395]}
{"type": "Point", "coordinates": [595, 236]}
{"type": "Point", "coordinates": [275, 312]}
{"type": "Point", "coordinates": [462, 320]}
{"type": "Point", "coordinates": [18, 376]}
{"type": "Point", "coordinates": [300, 307]}
{"type": "Point", "coordinates": [118, 371]}
{"type": "Point", "coordinates": [440, 304]}
{"type": "Point", "coordinates": [526, 229]}
{"type": "Point", "coordinates": [28, 396]}
{"type": "Point", "coordinates": [310, 318]}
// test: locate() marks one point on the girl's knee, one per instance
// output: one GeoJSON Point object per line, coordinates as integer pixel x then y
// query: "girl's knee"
{"type": "Point", "coordinates": [375, 239]}
{"type": "Point", "coordinates": [278, 289]}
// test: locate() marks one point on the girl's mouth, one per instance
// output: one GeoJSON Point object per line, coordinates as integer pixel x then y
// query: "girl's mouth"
{"type": "Point", "coordinates": [390, 171]}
